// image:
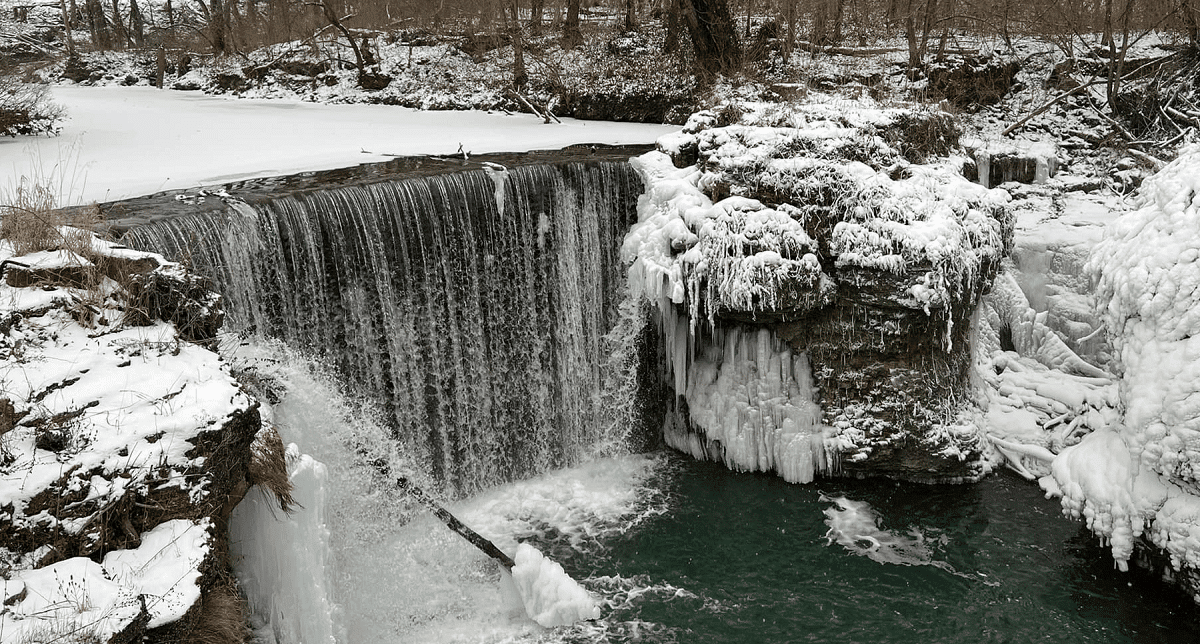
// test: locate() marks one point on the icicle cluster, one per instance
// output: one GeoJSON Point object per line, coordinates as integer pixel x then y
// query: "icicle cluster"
{"type": "Point", "coordinates": [1143, 476]}
{"type": "Point", "coordinates": [753, 401]}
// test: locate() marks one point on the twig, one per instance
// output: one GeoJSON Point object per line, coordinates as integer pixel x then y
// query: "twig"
{"type": "Point", "coordinates": [1156, 162]}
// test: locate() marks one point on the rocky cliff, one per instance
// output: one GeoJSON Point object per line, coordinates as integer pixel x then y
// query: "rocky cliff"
{"type": "Point", "coordinates": [847, 242]}
{"type": "Point", "coordinates": [124, 446]}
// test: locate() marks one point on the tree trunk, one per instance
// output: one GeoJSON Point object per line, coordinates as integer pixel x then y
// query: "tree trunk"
{"type": "Point", "coordinates": [910, 35]}
{"type": "Point", "coordinates": [790, 44]}
{"type": "Point", "coordinates": [66, 18]}
{"type": "Point", "coordinates": [630, 15]}
{"type": "Point", "coordinates": [218, 30]}
{"type": "Point", "coordinates": [120, 33]}
{"type": "Point", "coordinates": [537, 11]}
{"type": "Point", "coordinates": [714, 37]}
{"type": "Point", "coordinates": [671, 44]}
{"type": "Point", "coordinates": [97, 24]}
{"type": "Point", "coordinates": [819, 37]}
{"type": "Point", "coordinates": [839, 12]}
{"type": "Point", "coordinates": [454, 524]}
{"type": "Point", "coordinates": [520, 76]}
{"type": "Point", "coordinates": [572, 36]}
{"type": "Point", "coordinates": [137, 25]}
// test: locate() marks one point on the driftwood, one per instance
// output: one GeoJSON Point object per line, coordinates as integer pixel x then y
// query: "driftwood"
{"type": "Point", "coordinates": [804, 45]}
{"type": "Point", "coordinates": [545, 114]}
{"type": "Point", "coordinates": [454, 524]}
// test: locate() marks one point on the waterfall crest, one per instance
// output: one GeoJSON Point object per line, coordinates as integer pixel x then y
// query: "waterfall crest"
{"type": "Point", "coordinates": [477, 323]}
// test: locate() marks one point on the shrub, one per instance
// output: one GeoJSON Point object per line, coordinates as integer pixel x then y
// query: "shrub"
{"type": "Point", "coordinates": [26, 108]}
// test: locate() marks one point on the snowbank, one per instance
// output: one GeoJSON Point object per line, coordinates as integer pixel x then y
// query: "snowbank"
{"type": "Point", "coordinates": [81, 600]}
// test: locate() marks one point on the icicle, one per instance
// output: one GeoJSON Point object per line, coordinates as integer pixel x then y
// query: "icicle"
{"type": "Point", "coordinates": [498, 174]}
{"type": "Point", "coordinates": [983, 161]}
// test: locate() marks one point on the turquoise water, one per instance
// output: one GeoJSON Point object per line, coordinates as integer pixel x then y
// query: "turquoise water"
{"type": "Point", "coordinates": [745, 558]}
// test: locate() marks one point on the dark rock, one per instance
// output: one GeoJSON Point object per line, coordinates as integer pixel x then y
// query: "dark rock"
{"type": "Point", "coordinates": [973, 81]}
{"type": "Point", "coordinates": [478, 45]}
{"type": "Point", "coordinates": [76, 70]}
{"type": "Point", "coordinates": [230, 82]}
{"type": "Point", "coordinates": [373, 82]}
{"type": "Point", "coordinates": [20, 276]}
{"type": "Point", "coordinates": [184, 299]}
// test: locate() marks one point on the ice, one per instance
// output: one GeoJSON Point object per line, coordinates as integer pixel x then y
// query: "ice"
{"type": "Point", "coordinates": [753, 402]}
{"type": "Point", "coordinates": [855, 526]}
{"type": "Point", "coordinates": [112, 144]}
{"type": "Point", "coordinates": [284, 560]}
{"type": "Point", "coordinates": [1139, 475]}
{"type": "Point", "coordinates": [551, 596]}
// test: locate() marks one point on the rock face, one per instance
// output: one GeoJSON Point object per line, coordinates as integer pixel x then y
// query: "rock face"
{"type": "Point", "coordinates": [123, 447]}
{"type": "Point", "coordinates": [864, 268]}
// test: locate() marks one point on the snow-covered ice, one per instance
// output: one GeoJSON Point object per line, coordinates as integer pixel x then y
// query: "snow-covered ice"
{"type": "Point", "coordinates": [121, 142]}
{"type": "Point", "coordinates": [1142, 474]}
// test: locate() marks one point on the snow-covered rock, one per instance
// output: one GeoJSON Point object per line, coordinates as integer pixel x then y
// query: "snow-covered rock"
{"type": "Point", "coordinates": [813, 221]}
{"type": "Point", "coordinates": [123, 447]}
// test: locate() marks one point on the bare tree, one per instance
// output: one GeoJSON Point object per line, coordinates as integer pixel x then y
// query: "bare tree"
{"type": "Point", "coordinates": [714, 37]}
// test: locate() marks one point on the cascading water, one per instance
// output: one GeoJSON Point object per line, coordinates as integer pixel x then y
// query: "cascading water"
{"type": "Point", "coordinates": [472, 307]}
{"type": "Point", "coordinates": [474, 320]}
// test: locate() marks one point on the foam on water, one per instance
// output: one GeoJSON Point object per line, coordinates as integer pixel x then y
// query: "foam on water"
{"type": "Point", "coordinates": [855, 526]}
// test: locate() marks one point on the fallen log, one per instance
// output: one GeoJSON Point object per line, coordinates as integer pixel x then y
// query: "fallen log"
{"type": "Point", "coordinates": [454, 524]}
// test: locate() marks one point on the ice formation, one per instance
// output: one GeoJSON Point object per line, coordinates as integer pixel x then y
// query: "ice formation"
{"type": "Point", "coordinates": [753, 400]}
{"type": "Point", "coordinates": [1041, 396]}
{"type": "Point", "coordinates": [861, 266]}
{"type": "Point", "coordinates": [1141, 477]}
{"type": "Point", "coordinates": [551, 597]}
{"type": "Point", "coordinates": [284, 560]}
{"type": "Point", "coordinates": [855, 525]}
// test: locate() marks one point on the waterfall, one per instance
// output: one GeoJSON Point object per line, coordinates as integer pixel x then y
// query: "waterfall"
{"type": "Point", "coordinates": [472, 307]}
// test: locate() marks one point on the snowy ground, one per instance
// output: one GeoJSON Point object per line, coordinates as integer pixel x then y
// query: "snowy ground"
{"type": "Point", "coordinates": [122, 142]}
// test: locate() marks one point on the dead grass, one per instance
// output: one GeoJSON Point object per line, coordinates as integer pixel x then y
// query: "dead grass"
{"type": "Point", "coordinates": [222, 618]}
{"type": "Point", "coordinates": [268, 466]}
{"type": "Point", "coordinates": [31, 223]}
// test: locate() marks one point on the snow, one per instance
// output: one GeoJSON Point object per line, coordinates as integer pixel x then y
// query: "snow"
{"type": "Point", "coordinates": [139, 384]}
{"type": "Point", "coordinates": [80, 600]}
{"type": "Point", "coordinates": [122, 142]}
{"type": "Point", "coordinates": [551, 597]}
{"type": "Point", "coordinates": [1139, 475]}
{"type": "Point", "coordinates": [127, 404]}
{"type": "Point", "coordinates": [935, 216]}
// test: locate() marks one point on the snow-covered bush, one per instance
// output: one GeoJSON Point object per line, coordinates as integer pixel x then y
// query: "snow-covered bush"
{"type": "Point", "coordinates": [26, 108]}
